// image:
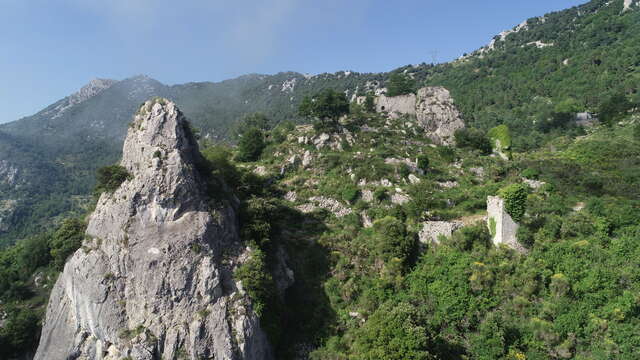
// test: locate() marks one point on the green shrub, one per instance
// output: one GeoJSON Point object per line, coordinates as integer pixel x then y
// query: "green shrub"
{"type": "Point", "coordinates": [500, 138]}
{"type": "Point", "coordinates": [392, 240]}
{"type": "Point", "coordinates": [19, 333]}
{"type": "Point", "coordinates": [109, 178]}
{"type": "Point", "coordinates": [380, 194]}
{"type": "Point", "coordinates": [326, 107]}
{"type": "Point", "coordinates": [257, 281]}
{"type": "Point", "coordinates": [66, 240]}
{"type": "Point", "coordinates": [423, 162]}
{"type": "Point", "coordinates": [256, 216]}
{"type": "Point", "coordinates": [447, 154]}
{"type": "Point", "coordinates": [471, 138]}
{"type": "Point", "coordinates": [515, 199]}
{"type": "Point", "coordinates": [350, 193]}
{"type": "Point", "coordinates": [525, 236]}
{"type": "Point", "coordinates": [279, 134]}
{"type": "Point", "coordinates": [251, 145]}
{"type": "Point", "coordinates": [394, 332]}
{"type": "Point", "coordinates": [614, 109]}
{"type": "Point", "coordinates": [400, 84]}
{"type": "Point", "coordinates": [531, 173]}
{"type": "Point", "coordinates": [369, 103]}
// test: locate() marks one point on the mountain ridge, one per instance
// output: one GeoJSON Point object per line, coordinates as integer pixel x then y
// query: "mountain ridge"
{"type": "Point", "coordinates": [89, 134]}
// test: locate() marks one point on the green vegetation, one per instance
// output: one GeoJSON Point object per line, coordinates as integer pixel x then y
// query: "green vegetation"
{"type": "Point", "coordinates": [28, 271]}
{"type": "Point", "coordinates": [251, 145]}
{"type": "Point", "coordinates": [327, 107]}
{"type": "Point", "coordinates": [256, 280]}
{"type": "Point", "coordinates": [400, 84]}
{"type": "Point", "coordinates": [363, 287]}
{"type": "Point", "coordinates": [501, 138]}
{"type": "Point", "coordinates": [110, 178]}
{"type": "Point", "coordinates": [423, 162]}
{"type": "Point", "coordinates": [515, 200]}
{"type": "Point", "coordinates": [470, 138]}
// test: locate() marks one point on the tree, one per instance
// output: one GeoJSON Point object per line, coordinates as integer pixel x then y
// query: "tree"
{"type": "Point", "coordinates": [327, 107]}
{"type": "Point", "coordinates": [614, 109]}
{"type": "Point", "coordinates": [473, 139]}
{"type": "Point", "coordinates": [369, 103]}
{"type": "Point", "coordinates": [66, 240]}
{"type": "Point", "coordinates": [256, 120]}
{"type": "Point", "coordinates": [392, 240]}
{"type": "Point", "coordinates": [400, 84]}
{"type": "Point", "coordinates": [423, 162]}
{"type": "Point", "coordinates": [251, 145]}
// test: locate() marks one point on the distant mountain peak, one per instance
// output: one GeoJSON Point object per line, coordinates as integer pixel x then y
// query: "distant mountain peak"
{"type": "Point", "coordinates": [93, 88]}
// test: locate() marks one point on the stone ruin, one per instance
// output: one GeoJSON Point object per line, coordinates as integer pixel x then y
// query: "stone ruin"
{"type": "Point", "coordinates": [502, 227]}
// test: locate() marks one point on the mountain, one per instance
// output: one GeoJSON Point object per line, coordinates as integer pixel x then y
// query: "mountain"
{"type": "Point", "coordinates": [563, 62]}
{"type": "Point", "coordinates": [373, 235]}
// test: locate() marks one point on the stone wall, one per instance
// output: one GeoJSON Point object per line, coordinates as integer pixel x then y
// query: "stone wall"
{"type": "Point", "coordinates": [394, 105]}
{"type": "Point", "coordinates": [432, 230]}
{"type": "Point", "coordinates": [502, 227]}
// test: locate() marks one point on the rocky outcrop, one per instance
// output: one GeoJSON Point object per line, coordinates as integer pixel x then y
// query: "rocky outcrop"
{"type": "Point", "coordinates": [150, 281]}
{"type": "Point", "coordinates": [501, 226]}
{"type": "Point", "coordinates": [438, 115]}
{"type": "Point", "coordinates": [8, 173]}
{"type": "Point", "coordinates": [433, 107]}
{"type": "Point", "coordinates": [320, 202]}
{"type": "Point", "coordinates": [93, 88]}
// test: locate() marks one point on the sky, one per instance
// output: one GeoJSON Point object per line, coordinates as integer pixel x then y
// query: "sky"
{"type": "Point", "coordinates": [51, 48]}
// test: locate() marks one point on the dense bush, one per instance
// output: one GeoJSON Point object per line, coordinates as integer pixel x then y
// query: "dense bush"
{"type": "Point", "coordinates": [500, 137]}
{"type": "Point", "coordinates": [515, 200]}
{"type": "Point", "coordinates": [257, 281]}
{"type": "Point", "coordinates": [614, 108]}
{"type": "Point", "coordinates": [326, 107]}
{"type": "Point", "coordinates": [423, 162]}
{"type": "Point", "coordinates": [66, 240]}
{"type": "Point", "coordinates": [471, 138]}
{"type": "Point", "coordinates": [400, 84]}
{"type": "Point", "coordinates": [251, 144]}
{"type": "Point", "coordinates": [392, 240]}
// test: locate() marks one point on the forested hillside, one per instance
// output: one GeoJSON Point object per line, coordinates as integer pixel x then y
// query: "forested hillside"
{"type": "Point", "coordinates": [345, 203]}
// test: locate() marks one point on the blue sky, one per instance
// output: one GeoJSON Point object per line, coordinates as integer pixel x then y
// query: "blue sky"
{"type": "Point", "coordinates": [50, 48]}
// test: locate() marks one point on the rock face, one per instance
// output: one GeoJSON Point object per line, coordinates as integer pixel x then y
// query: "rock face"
{"type": "Point", "coordinates": [501, 226]}
{"type": "Point", "coordinates": [150, 281]}
{"type": "Point", "coordinates": [438, 115]}
{"type": "Point", "coordinates": [432, 106]}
